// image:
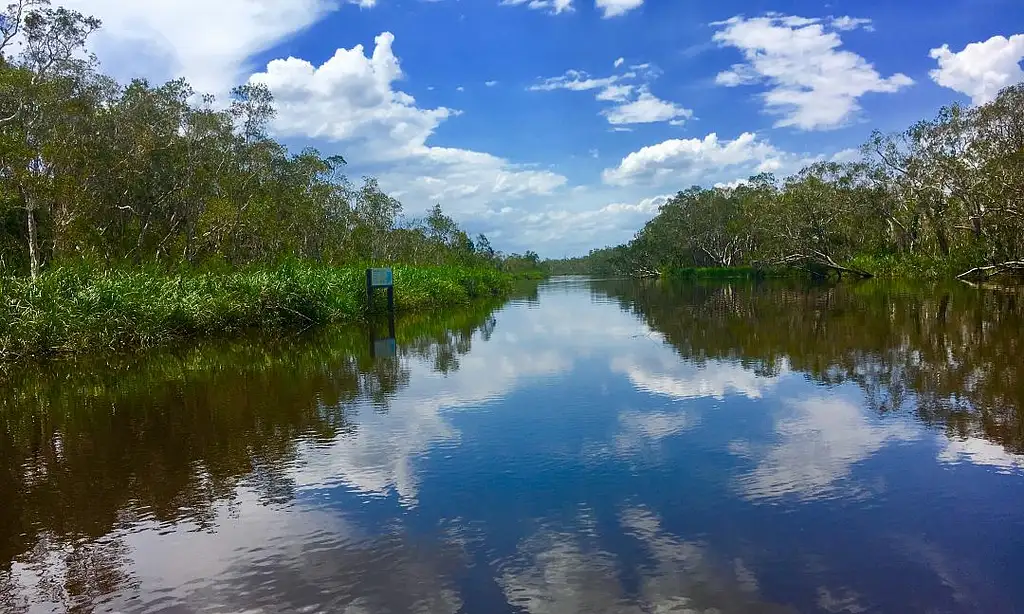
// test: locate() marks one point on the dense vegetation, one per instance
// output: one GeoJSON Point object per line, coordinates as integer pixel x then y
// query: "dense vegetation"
{"type": "Point", "coordinates": [69, 311]}
{"type": "Point", "coordinates": [940, 199]}
{"type": "Point", "coordinates": [194, 205]}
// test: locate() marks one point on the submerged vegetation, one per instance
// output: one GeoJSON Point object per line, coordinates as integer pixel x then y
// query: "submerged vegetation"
{"type": "Point", "coordinates": [134, 214]}
{"type": "Point", "coordinates": [942, 199]}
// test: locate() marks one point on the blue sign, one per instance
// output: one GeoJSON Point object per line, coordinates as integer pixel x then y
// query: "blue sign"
{"type": "Point", "coordinates": [381, 278]}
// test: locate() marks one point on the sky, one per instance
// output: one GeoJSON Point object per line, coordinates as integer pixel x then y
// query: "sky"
{"type": "Point", "coordinates": [562, 125]}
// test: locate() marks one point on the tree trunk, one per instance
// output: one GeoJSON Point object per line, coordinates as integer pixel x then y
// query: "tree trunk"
{"type": "Point", "coordinates": [33, 235]}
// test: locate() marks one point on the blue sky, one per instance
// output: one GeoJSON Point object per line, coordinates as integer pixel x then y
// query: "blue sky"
{"type": "Point", "coordinates": [561, 125]}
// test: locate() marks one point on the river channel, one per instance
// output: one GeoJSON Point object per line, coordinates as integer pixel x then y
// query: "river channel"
{"type": "Point", "coordinates": [589, 446]}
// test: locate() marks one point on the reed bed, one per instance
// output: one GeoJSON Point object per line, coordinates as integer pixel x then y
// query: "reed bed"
{"type": "Point", "coordinates": [71, 310]}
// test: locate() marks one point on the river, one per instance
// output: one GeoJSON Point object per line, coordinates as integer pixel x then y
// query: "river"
{"type": "Point", "coordinates": [587, 446]}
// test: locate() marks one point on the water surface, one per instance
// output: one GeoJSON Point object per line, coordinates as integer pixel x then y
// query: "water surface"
{"type": "Point", "coordinates": [590, 446]}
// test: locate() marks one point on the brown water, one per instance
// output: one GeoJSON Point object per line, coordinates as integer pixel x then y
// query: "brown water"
{"type": "Point", "coordinates": [591, 446]}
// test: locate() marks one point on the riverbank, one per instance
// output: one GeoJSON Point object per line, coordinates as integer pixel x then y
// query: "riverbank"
{"type": "Point", "coordinates": [739, 272]}
{"type": "Point", "coordinates": [919, 268]}
{"type": "Point", "coordinates": [71, 310]}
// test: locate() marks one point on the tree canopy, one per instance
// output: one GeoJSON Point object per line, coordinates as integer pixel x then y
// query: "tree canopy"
{"type": "Point", "coordinates": [946, 193]}
{"type": "Point", "coordinates": [94, 170]}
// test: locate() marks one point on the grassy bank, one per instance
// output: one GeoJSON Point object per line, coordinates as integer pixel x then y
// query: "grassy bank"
{"type": "Point", "coordinates": [71, 310]}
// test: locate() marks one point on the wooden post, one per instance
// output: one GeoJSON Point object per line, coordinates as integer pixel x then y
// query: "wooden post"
{"type": "Point", "coordinates": [369, 288]}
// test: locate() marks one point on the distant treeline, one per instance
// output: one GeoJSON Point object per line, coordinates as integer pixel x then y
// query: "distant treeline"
{"type": "Point", "coordinates": [94, 171]}
{"type": "Point", "coordinates": [943, 198]}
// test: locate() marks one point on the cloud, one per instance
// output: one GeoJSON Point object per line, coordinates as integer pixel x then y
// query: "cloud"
{"type": "Point", "coordinates": [490, 83]}
{"type": "Point", "coordinates": [812, 83]}
{"type": "Point", "coordinates": [617, 8]}
{"type": "Point", "coordinates": [980, 452]}
{"type": "Point", "coordinates": [686, 160]}
{"type": "Point", "coordinates": [670, 378]}
{"type": "Point", "coordinates": [574, 80]}
{"type": "Point", "coordinates": [570, 569]}
{"type": "Point", "coordinates": [981, 69]}
{"type": "Point", "coordinates": [820, 440]}
{"type": "Point", "coordinates": [465, 181]}
{"type": "Point", "coordinates": [381, 457]}
{"type": "Point", "coordinates": [646, 109]}
{"type": "Point", "coordinates": [617, 93]}
{"type": "Point", "coordinates": [165, 39]}
{"type": "Point", "coordinates": [587, 224]}
{"type": "Point", "coordinates": [851, 23]}
{"type": "Point", "coordinates": [554, 6]}
{"type": "Point", "coordinates": [635, 104]}
{"type": "Point", "coordinates": [351, 99]}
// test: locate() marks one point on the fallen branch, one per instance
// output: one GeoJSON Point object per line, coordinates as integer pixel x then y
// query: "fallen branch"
{"type": "Point", "coordinates": [793, 259]}
{"type": "Point", "coordinates": [987, 272]}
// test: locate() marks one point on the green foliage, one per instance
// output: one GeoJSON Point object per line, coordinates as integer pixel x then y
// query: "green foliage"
{"type": "Point", "coordinates": [736, 272]}
{"type": "Point", "coordinates": [75, 309]}
{"type": "Point", "coordinates": [141, 174]}
{"type": "Point", "coordinates": [525, 266]}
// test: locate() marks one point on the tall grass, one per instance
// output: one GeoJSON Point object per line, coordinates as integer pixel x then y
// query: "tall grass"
{"type": "Point", "coordinates": [914, 266]}
{"type": "Point", "coordinates": [72, 310]}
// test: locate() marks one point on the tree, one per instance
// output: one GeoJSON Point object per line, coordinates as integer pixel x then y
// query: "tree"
{"type": "Point", "coordinates": [42, 88]}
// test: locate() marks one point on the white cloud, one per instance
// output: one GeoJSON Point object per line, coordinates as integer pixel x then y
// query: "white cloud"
{"type": "Point", "coordinates": [351, 99]}
{"type": "Point", "coordinates": [851, 23]}
{"type": "Point", "coordinates": [619, 62]}
{"type": "Point", "coordinates": [570, 568]}
{"type": "Point", "coordinates": [686, 160]}
{"type": "Point", "coordinates": [635, 103]}
{"type": "Point", "coordinates": [460, 89]}
{"type": "Point", "coordinates": [381, 456]}
{"type": "Point", "coordinates": [490, 83]}
{"type": "Point", "coordinates": [820, 441]}
{"type": "Point", "coordinates": [464, 181]}
{"type": "Point", "coordinates": [554, 6]}
{"type": "Point", "coordinates": [980, 451]}
{"type": "Point", "coordinates": [574, 80]}
{"type": "Point", "coordinates": [981, 69]}
{"type": "Point", "coordinates": [812, 83]}
{"type": "Point", "coordinates": [617, 8]}
{"type": "Point", "coordinates": [669, 377]}
{"type": "Point", "coordinates": [616, 93]}
{"type": "Point", "coordinates": [730, 185]}
{"type": "Point", "coordinates": [165, 39]}
{"type": "Point", "coordinates": [348, 98]}
{"type": "Point", "coordinates": [645, 109]}
{"type": "Point", "coordinates": [580, 223]}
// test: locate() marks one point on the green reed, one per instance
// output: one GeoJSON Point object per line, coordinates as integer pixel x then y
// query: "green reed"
{"type": "Point", "coordinates": [73, 309]}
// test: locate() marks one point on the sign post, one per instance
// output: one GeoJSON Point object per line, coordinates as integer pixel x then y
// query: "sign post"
{"type": "Point", "coordinates": [380, 278]}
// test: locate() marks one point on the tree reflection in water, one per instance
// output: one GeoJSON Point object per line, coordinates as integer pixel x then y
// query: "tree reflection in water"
{"type": "Point", "coordinates": [92, 448]}
{"type": "Point", "coordinates": [951, 355]}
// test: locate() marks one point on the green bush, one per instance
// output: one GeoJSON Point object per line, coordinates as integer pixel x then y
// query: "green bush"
{"type": "Point", "coordinates": [76, 309]}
